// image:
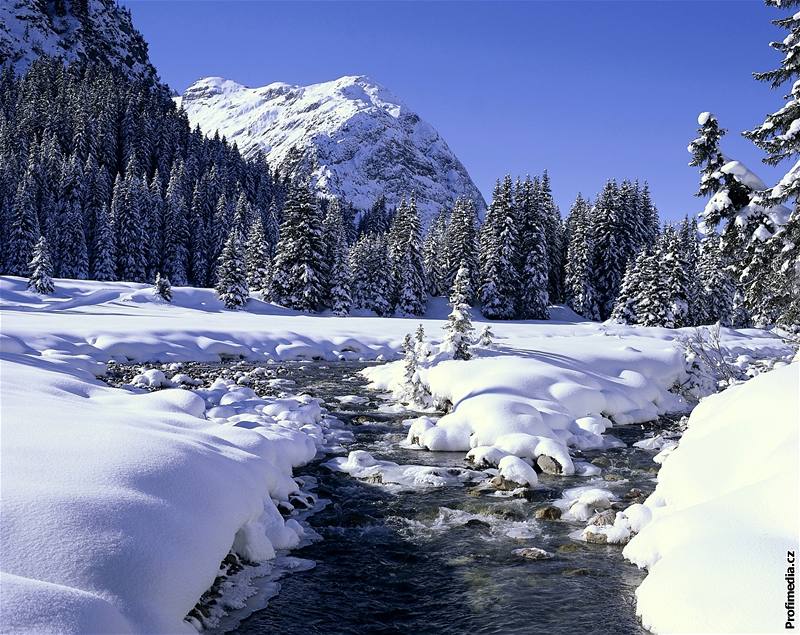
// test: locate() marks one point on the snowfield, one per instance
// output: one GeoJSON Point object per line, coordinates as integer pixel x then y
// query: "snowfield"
{"type": "Point", "coordinates": [118, 506]}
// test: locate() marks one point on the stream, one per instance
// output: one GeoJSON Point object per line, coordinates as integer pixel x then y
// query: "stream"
{"type": "Point", "coordinates": [440, 560]}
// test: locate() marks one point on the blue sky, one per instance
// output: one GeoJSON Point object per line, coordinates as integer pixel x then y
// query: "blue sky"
{"type": "Point", "coordinates": [588, 90]}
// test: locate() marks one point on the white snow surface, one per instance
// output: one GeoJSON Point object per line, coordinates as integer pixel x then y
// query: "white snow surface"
{"type": "Point", "coordinates": [724, 514]}
{"type": "Point", "coordinates": [118, 506]}
{"type": "Point", "coordinates": [357, 139]}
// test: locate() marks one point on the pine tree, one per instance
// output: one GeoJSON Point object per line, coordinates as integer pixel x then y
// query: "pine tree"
{"type": "Point", "coordinates": [127, 228]}
{"type": "Point", "coordinates": [579, 281]}
{"type": "Point", "coordinates": [232, 274]}
{"type": "Point", "coordinates": [459, 330]}
{"type": "Point", "coordinates": [652, 300]}
{"type": "Point", "coordinates": [625, 306]}
{"type": "Point", "coordinates": [715, 303]}
{"type": "Point", "coordinates": [498, 255]}
{"type": "Point", "coordinates": [553, 240]}
{"type": "Point", "coordinates": [176, 229]}
{"type": "Point", "coordinates": [24, 227]}
{"type": "Point", "coordinates": [297, 278]}
{"type": "Point", "coordinates": [534, 208]}
{"type": "Point", "coordinates": [405, 250]}
{"type": "Point", "coordinates": [258, 259]}
{"type": "Point", "coordinates": [103, 265]}
{"type": "Point", "coordinates": [486, 337]}
{"type": "Point", "coordinates": [336, 259]}
{"type": "Point", "coordinates": [706, 154]}
{"type": "Point", "coordinates": [433, 255]}
{"type": "Point", "coordinates": [74, 260]}
{"type": "Point", "coordinates": [371, 274]}
{"type": "Point", "coordinates": [608, 262]}
{"type": "Point", "coordinates": [416, 393]}
{"type": "Point", "coordinates": [461, 245]}
{"type": "Point", "coordinates": [41, 280]}
{"type": "Point", "coordinates": [162, 288]}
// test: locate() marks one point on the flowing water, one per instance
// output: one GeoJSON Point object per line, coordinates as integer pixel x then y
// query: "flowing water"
{"type": "Point", "coordinates": [440, 560]}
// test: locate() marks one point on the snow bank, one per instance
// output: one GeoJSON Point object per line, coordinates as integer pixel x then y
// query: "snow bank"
{"type": "Point", "coordinates": [724, 514]}
{"type": "Point", "coordinates": [118, 507]}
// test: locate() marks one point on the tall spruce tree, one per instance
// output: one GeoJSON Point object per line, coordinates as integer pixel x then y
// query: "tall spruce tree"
{"type": "Point", "coordinates": [461, 244]}
{"type": "Point", "coordinates": [336, 260]}
{"type": "Point", "coordinates": [499, 256]}
{"type": "Point", "coordinates": [535, 224]}
{"type": "Point", "coordinates": [297, 272]}
{"type": "Point", "coordinates": [459, 332]}
{"type": "Point", "coordinates": [258, 259]}
{"type": "Point", "coordinates": [232, 274]}
{"type": "Point", "coordinates": [41, 280]}
{"type": "Point", "coordinates": [579, 280]}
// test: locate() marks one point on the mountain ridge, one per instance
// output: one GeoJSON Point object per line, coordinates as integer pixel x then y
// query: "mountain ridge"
{"type": "Point", "coordinates": [353, 137]}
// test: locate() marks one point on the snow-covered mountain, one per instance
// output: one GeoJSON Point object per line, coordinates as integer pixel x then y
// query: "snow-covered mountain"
{"type": "Point", "coordinates": [355, 137]}
{"type": "Point", "coordinates": [98, 30]}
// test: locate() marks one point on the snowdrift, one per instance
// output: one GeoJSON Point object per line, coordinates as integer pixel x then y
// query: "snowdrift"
{"type": "Point", "coordinates": [118, 508]}
{"type": "Point", "coordinates": [724, 514]}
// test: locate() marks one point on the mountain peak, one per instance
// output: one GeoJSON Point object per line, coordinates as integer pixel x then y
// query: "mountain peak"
{"type": "Point", "coordinates": [96, 30]}
{"type": "Point", "coordinates": [355, 138]}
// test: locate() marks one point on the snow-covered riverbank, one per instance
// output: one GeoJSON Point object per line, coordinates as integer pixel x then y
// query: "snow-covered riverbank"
{"type": "Point", "coordinates": [118, 507]}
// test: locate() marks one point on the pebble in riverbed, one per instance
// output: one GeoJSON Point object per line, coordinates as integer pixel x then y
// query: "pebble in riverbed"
{"type": "Point", "coordinates": [532, 553]}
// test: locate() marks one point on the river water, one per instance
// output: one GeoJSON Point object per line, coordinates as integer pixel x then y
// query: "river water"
{"type": "Point", "coordinates": [440, 560]}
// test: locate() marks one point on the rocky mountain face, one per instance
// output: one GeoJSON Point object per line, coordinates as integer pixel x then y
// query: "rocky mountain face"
{"type": "Point", "coordinates": [354, 138]}
{"type": "Point", "coordinates": [96, 30]}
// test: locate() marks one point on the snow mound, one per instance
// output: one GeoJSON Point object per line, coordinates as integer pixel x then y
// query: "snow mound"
{"type": "Point", "coordinates": [724, 514]}
{"type": "Point", "coordinates": [118, 507]}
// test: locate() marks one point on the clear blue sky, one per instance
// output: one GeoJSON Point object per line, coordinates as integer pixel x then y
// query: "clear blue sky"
{"type": "Point", "coordinates": [588, 90]}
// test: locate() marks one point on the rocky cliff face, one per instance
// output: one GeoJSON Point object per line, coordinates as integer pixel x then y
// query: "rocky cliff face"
{"type": "Point", "coordinates": [96, 30]}
{"type": "Point", "coordinates": [352, 136]}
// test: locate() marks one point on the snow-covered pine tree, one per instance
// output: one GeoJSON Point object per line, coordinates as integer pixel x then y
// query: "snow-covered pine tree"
{"type": "Point", "coordinates": [434, 254]}
{"type": "Point", "coordinates": [690, 248]}
{"type": "Point", "coordinates": [103, 265]}
{"type": "Point", "coordinates": [486, 337]}
{"type": "Point", "coordinates": [162, 288]}
{"type": "Point", "coordinates": [579, 281]}
{"type": "Point", "coordinates": [232, 274]}
{"type": "Point", "coordinates": [535, 225]}
{"type": "Point", "coordinates": [459, 330]}
{"type": "Point", "coordinates": [652, 299]}
{"type": "Point", "coordinates": [405, 248]}
{"type": "Point", "coordinates": [625, 306]}
{"type": "Point", "coordinates": [416, 393]}
{"type": "Point", "coordinates": [337, 276]}
{"type": "Point", "coordinates": [778, 136]}
{"type": "Point", "coordinates": [498, 255]}
{"type": "Point", "coordinates": [127, 227]}
{"type": "Point", "coordinates": [715, 303]}
{"type": "Point", "coordinates": [553, 240]}
{"type": "Point", "coordinates": [176, 229]}
{"type": "Point", "coordinates": [22, 236]}
{"type": "Point", "coordinates": [461, 244]}
{"type": "Point", "coordinates": [73, 261]}
{"type": "Point", "coordinates": [371, 274]}
{"type": "Point", "coordinates": [41, 280]}
{"type": "Point", "coordinates": [297, 271]}
{"type": "Point", "coordinates": [673, 263]}
{"type": "Point", "coordinates": [706, 154]}
{"type": "Point", "coordinates": [607, 263]}
{"type": "Point", "coordinates": [258, 259]}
